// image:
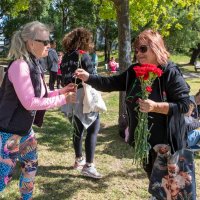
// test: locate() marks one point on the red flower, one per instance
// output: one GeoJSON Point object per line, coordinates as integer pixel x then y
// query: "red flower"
{"type": "Point", "coordinates": [144, 71]}
{"type": "Point", "coordinates": [139, 71]}
{"type": "Point", "coordinates": [81, 52]}
{"type": "Point", "coordinates": [149, 89]}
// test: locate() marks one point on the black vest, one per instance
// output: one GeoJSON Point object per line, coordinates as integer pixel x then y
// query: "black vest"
{"type": "Point", "coordinates": [14, 118]}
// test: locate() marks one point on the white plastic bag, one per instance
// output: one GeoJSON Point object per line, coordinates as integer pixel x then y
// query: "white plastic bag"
{"type": "Point", "coordinates": [92, 101]}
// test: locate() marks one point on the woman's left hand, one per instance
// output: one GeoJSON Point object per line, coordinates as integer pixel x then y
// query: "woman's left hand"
{"type": "Point", "coordinates": [147, 105]}
{"type": "Point", "coordinates": [71, 87]}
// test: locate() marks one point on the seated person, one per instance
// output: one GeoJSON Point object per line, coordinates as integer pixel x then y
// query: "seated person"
{"type": "Point", "coordinates": [192, 128]}
{"type": "Point", "coordinates": [113, 65]}
{"type": "Point", "coordinates": [196, 100]}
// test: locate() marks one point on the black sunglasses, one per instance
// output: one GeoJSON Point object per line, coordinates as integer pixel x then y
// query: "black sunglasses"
{"type": "Point", "coordinates": [45, 42]}
{"type": "Point", "coordinates": [141, 49]}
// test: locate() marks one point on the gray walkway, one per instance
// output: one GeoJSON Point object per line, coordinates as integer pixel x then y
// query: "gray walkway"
{"type": "Point", "coordinates": [191, 75]}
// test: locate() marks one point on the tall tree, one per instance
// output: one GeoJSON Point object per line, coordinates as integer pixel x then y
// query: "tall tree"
{"type": "Point", "coordinates": [119, 10]}
{"type": "Point", "coordinates": [124, 39]}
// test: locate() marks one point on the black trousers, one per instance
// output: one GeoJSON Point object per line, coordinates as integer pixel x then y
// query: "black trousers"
{"type": "Point", "coordinates": [52, 79]}
{"type": "Point", "coordinates": [59, 81]}
{"type": "Point", "coordinates": [90, 140]}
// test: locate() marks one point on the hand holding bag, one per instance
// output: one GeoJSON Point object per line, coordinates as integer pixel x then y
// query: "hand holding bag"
{"type": "Point", "coordinates": [92, 101]}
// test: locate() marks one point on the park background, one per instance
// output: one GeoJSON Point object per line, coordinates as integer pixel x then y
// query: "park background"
{"type": "Point", "coordinates": [114, 24]}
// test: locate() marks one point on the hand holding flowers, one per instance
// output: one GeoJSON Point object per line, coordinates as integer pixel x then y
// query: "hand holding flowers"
{"type": "Point", "coordinates": [70, 97]}
{"type": "Point", "coordinates": [146, 73]}
{"type": "Point", "coordinates": [147, 105]}
{"type": "Point", "coordinates": [71, 87]}
{"type": "Point", "coordinates": [70, 92]}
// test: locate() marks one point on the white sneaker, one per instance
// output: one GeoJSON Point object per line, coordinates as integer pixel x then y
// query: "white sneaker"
{"type": "Point", "coordinates": [79, 163]}
{"type": "Point", "coordinates": [90, 171]}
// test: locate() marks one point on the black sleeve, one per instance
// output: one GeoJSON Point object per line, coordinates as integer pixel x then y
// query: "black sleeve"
{"type": "Point", "coordinates": [177, 90]}
{"type": "Point", "coordinates": [108, 84]}
{"type": "Point", "coordinates": [86, 63]}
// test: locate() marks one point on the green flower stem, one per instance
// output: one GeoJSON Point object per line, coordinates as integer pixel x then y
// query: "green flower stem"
{"type": "Point", "coordinates": [141, 135]}
{"type": "Point", "coordinates": [75, 81]}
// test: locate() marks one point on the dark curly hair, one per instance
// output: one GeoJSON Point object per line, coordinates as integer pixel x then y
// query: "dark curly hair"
{"type": "Point", "coordinates": [79, 38]}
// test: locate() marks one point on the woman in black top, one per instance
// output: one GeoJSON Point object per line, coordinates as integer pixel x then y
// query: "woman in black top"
{"type": "Point", "coordinates": [76, 45]}
{"type": "Point", "coordinates": [170, 93]}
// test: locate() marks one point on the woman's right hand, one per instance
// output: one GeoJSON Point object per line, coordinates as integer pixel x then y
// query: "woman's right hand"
{"type": "Point", "coordinates": [70, 97]}
{"type": "Point", "coordinates": [82, 74]}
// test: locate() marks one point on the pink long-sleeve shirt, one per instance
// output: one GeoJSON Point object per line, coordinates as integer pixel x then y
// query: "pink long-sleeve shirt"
{"type": "Point", "coordinates": [19, 75]}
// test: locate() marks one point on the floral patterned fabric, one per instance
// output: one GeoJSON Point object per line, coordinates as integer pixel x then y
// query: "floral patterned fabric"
{"type": "Point", "coordinates": [173, 176]}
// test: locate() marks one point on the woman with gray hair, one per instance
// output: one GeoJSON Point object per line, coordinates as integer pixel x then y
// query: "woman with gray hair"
{"type": "Point", "coordinates": [23, 101]}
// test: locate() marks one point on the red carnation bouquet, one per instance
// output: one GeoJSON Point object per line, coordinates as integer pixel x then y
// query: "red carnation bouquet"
{"type": "Point", "coordinates": [146, 73]}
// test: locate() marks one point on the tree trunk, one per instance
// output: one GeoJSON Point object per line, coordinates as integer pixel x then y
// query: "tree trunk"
{"type": "Point", "coordinates": [106, 50]}
{"type": "Point", "coordinates": [106, 47]}
{"type": "Point", "coordinates": [195, 54]}
{"type": "Point", "coordinates": [124, 38]}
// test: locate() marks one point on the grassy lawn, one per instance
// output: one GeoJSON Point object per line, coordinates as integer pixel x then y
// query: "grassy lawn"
{"type": "Point", "coordinates": [56, 179]}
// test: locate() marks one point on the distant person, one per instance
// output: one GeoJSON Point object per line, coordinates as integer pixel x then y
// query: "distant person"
{"type": "Point", "coordinates": [23, 99]}
{"type": "Point", "coordinates": [59, 73]}
{"type": "Point", "coordinates": [94, 59]}
{"type": "Point", "coordinates": [52, 62]}
{"type": "Point", "coordinates": [113, 65]}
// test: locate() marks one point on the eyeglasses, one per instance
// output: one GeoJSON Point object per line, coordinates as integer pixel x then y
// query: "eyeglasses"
{"type": "Point", "coordinates": [45, 42]}
{"type": "Point", "coordinates": [141, 49]}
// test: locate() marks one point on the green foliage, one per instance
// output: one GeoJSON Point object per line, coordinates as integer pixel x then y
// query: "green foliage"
{"type": "Point", "coordinates": [13, 22]}
{"type": "Point", "coordinates": [13, 8]}
{"type": "Point", "coordinates": [67, 15]}
{"type": "Point", "coordinates": [177, 20]}
{"type": "Point", "coordinates": [184, 35]}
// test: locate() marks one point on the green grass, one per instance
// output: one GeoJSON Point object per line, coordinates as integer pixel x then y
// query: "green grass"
{"type": "Point", "coordinates": [56, 180]}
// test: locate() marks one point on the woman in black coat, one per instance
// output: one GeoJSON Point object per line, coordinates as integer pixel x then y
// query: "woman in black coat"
{"type": "Point", "coordinates": [170, 93]}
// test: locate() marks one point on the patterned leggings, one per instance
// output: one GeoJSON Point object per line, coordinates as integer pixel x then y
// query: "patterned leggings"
{"type": "Point", "coordinates": [13, 147]}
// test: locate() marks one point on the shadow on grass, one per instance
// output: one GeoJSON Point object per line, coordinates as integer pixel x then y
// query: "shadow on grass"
{"type": "Point", "coordinates": [67, 184]}
{"type": "Point", "coordinates": [62, 182]}
{"type": "Point", "coordinates": [57, 133]}
{"type": "Point", "coordinates": [114, 144]}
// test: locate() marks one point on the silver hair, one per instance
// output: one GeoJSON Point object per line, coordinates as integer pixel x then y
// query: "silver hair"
{"type": "Point", "coordinates": [18, 47]}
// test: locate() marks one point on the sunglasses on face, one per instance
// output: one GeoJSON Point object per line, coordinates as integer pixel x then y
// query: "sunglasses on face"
{"type": "Point", "coordinates": [141, 49]}
{"type": "Point", "coordinates": [45, 42]}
